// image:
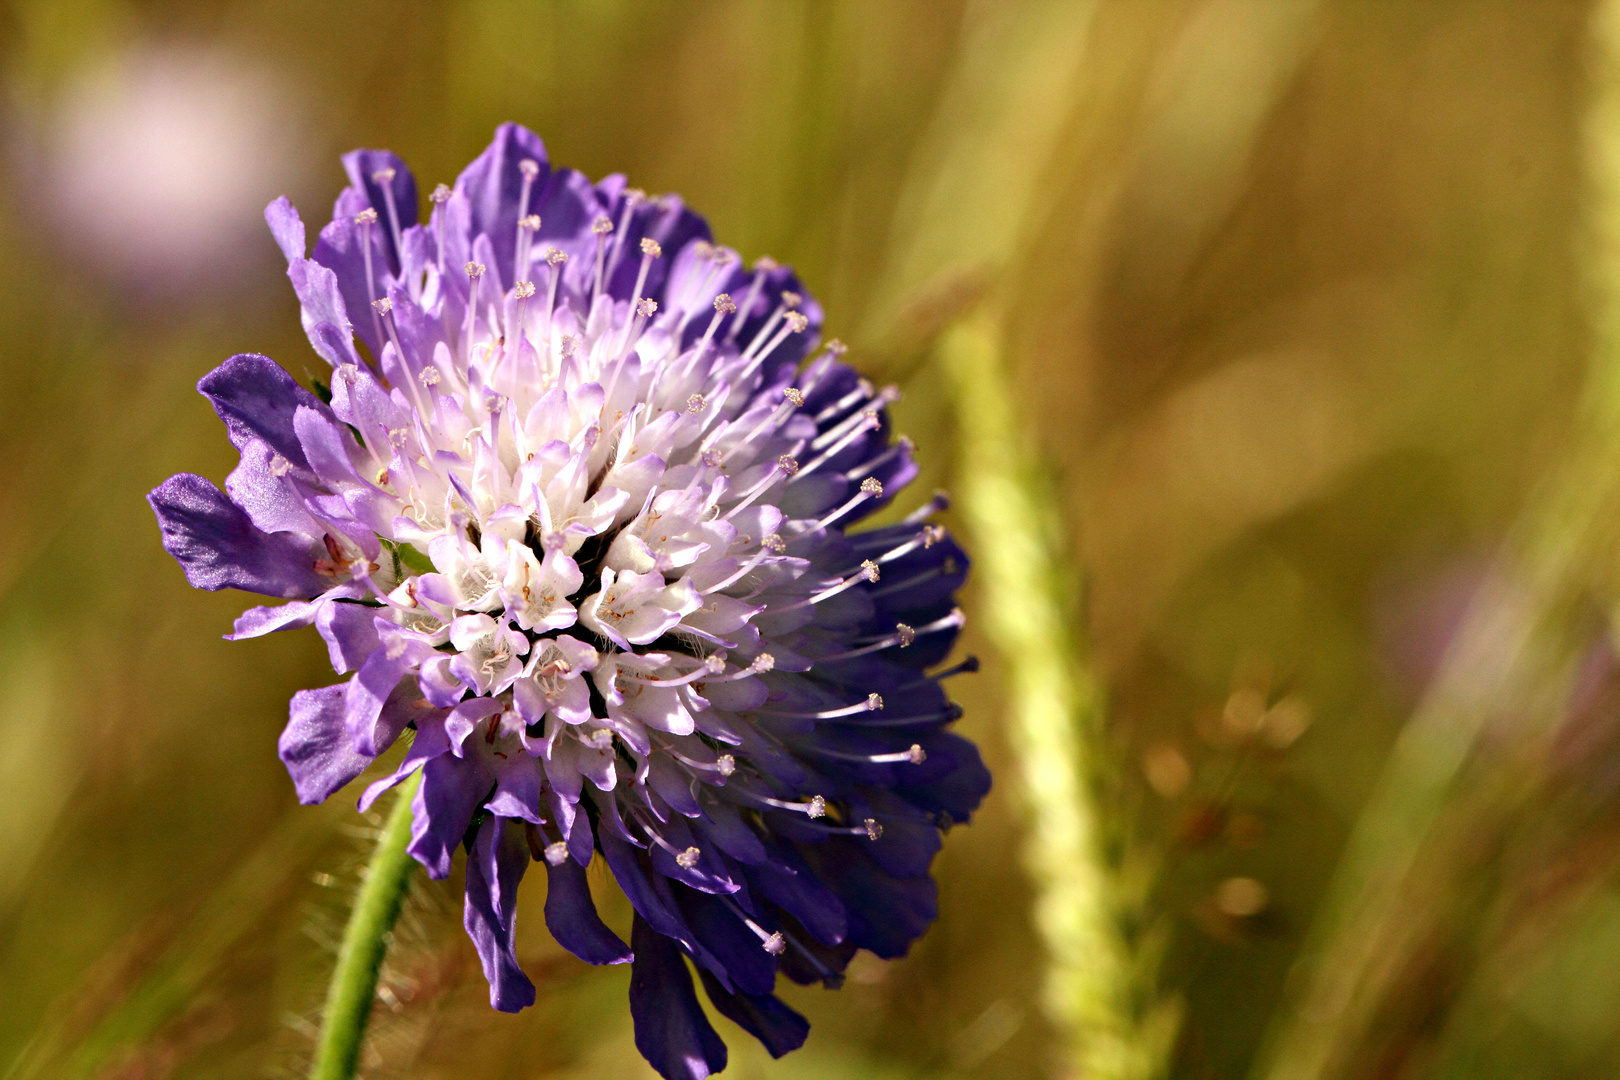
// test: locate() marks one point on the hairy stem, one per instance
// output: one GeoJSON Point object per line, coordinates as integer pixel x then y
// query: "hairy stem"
{"type": "Point", "coordinates": [365, 942]}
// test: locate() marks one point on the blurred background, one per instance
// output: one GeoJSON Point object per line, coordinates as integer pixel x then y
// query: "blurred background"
{"type": "Point", "coordinates": [1303, 313]}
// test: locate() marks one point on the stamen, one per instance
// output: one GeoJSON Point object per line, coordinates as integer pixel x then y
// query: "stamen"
{"type": "Point", "coordinates": [946, 715]}
{"type": "Point", "coordinates": [383, 308]}
{"type": "Point", "coordinates": [688, 858]}
{"type": "Point", "coordinates": [384, 178]}
{"type": "Point", "coordinates": [440, 196]}
{"type": "Point", "coordinates": [863, 390]}
{"type": "Point", "coordinates": [632, 199]}
{"type": "Point", "coordinates": [777, 472]}
{"type": "Point", "coordinates": [873, 703]}
{"type": "Point", "coordinates": [871, 422]}
{"type": "Point", "coordinates": [901, 445]}
{"type": "Point", "coordinates": [764, 265]}
{"type": "Point", "coordinates": [867, 572]}
{"type": "Point", "coordinates": [776, 944]}
{"type": "Point", "coordinates": [696, 404]}
{"type": "Point", "coordinates": [938, 504]}
{"type": "Point", "coordinates": [914, 755]}
{"type": "Point", "coordinates": [948, 566]}
{"type": "Point", "coordinates": [649, 251]}
{"type": "Point", "coordinates": [475, 270]}
{"type": "Point", "coordinates": [722, 307]}
{"type": "Point", "coordinates": [871, 488]}
{"type": "Point", "coordinates": [556, 853]}
{"type": "Point", "coordinates": [365, 219]}
{"type": "Point", "coordinates": [794, 395]}
{"type": "Point", "coordinates": [520, 248]}
{"type": "Point", "coordinates": [888, 396]}
{"type": "Point", "coordinates": [602, 226]}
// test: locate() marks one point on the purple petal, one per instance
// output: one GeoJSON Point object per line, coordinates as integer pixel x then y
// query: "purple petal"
{"type": "Point", "coordinates": [315, 748]}
{"type": "Point", "coordinates": [363, 167]}
{"type": "Point", "coordinates": [430, 742]}
{"type": "Point", "coordinates": [572, 919]}
{"type": "Point", "coordinates": [493, 184]}
{"type": "Point", "coordinates": [219, 547]}
{"type": "Point", "coordinates": [375, 684]}
{"type": "Point", "coordinates": [495, 866]}
{"type": "Point", "coordinates": [671, 1031]}
{"type": "Point", "coordinates": [272, 502]}
{"type": "Point", "coordinates": [324, 314]}
{"type": "Point", "coordinates": [444, 805]}
{"type": "Point", "coordinates": [350, 631]}
{"type": "Point", "coordinates": [286, 227]}
{"type": "Point", "coordinates": [763, 1016]}
{"type": "Point", "coordinates": [517, 789]}
{"type": "Point", "coordinates": [256, 399]}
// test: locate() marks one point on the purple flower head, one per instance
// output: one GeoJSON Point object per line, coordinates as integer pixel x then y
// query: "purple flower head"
{"type": "Point", "coordinates": [576, 512]}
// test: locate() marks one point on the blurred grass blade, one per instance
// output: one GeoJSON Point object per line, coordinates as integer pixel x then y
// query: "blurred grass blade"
{"type": "Point", "coordinates": [1510, 664]}
{"type": "Point", "coordinates": [172, 985]}
{"type": "Point", "coordinates": [1056, 721]}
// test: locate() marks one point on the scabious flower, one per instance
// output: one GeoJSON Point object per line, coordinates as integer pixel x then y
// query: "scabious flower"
{"type": "Point", "coordinates": [578, 517]}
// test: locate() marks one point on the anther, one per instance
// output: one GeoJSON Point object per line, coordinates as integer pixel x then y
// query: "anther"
{"type": "Point", "coordinates": [904, 634]}
{"type": "Point", "coordinates": [871, 569]}
{"type": "Point", "coordinates": [788, 465]}
{"type": "Point", "coordinates": [367, 216]}
{"type": "Point", "coordinates": [874, 829]}
{"type": "Point", "coordinates": [794, 394]}
{"type": "Point", "coordinates": [602, 225]}
{"type": "Point", "coordinates": [773, 541]}
{"type": "Point", "coordinates": [724, 304]}
{"type": "Point", "coordinates": [791, 300]}
{"type": "Point", "coordinates": [649, 246]}
{"type": "Point", "coordinates": [715, 663]}
{"type": "Point", "coordinates": [726, 764]}
{"type": "Point", "coordinates": [475, 270]}
{"type": "Point", "coordinates": [523, 290]}
{"type": "Point", "coordinates": [532, 223]}
{"type": "Point", "coordinates": [529, 167]}
{"type": "Point", "coordinates": [279, 466]}
{"type": "Point", "coordinates": [645, 307]}
{"type": "Point", "coordinates": [429, 377]}
{"type": "Point", "coordinates": [816, 808]}
{"type": "Point", "coordinates": [688, 858]}
{"type": "Point", "coordinates": [763, 662]}
{"type": "Point", "coordinates": [872, 486]}
{"type": "Point", "coordinates": [382, 176]}
{"type": "Point", "coordinates": [874, 702]}
{"type": "Point", "coordinates": [555, 257]}
{"type": "Point", "coordinates": [383, 306]}
{"type": "Point", "coordinates": [776, 944]}
{"type": "Point", "coordinates": [556, 852]}
{"type": "Point", "coordinates": [440, 194]}
{"type": "Point", "coordinates": [696, 404]}
{"type": "Point", "coordinates": [916, 755]}
{"type": "Point", "coordinates": [837, 348]}
{"type": "Point", "coordinates": [797, 321]}
{"type": "Point", "coordinates": [766, 263]}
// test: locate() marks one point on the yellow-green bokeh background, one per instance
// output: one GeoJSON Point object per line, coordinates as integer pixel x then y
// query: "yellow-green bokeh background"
{"type": "Point", "coordinates": [1291, 296]}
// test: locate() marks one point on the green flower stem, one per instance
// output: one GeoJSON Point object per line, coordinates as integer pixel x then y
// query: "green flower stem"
{"type": "Point", "coordinates": [1055, 716]}
{"type": "Point", "coordinates": [365, 942]}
